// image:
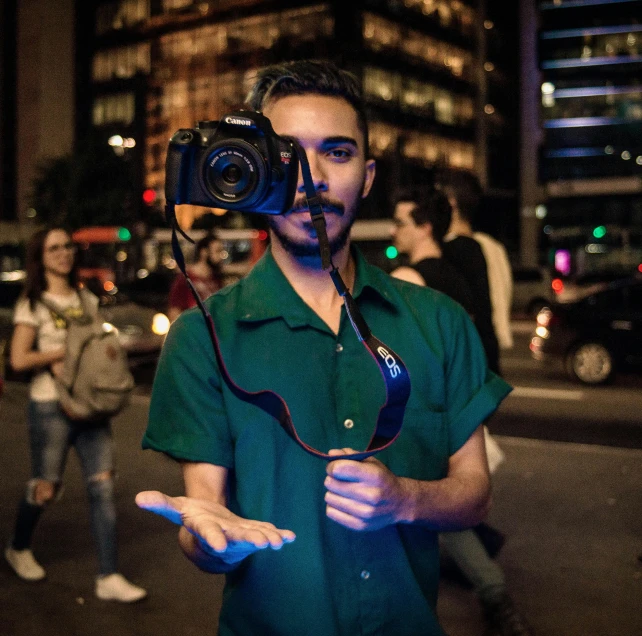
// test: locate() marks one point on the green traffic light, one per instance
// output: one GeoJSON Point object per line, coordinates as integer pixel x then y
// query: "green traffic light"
{"type": "Point", "coordinates": [599, 232]}
{"type": "Point", "coordinates": [391, 252]}
{"type": "Point", "coordinates": [124, 234]}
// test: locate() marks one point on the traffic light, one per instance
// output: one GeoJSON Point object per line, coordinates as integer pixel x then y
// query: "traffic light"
{"type": "Point", "coordinates": [124, 234]}
{"type": "Point", "coordinates": [149, 196]}
{"type": "Point", "coordinates": [391, 252]}
{"type": "Point", "coordinates": [599, 232]}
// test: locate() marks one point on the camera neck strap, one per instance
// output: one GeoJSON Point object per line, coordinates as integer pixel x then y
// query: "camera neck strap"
{"type": "Point", "coordinates": [392, 368]}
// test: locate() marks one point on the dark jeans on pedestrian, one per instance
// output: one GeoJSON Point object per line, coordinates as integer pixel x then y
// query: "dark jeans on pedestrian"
{"type": "Point", "coordinates": [51, 435]}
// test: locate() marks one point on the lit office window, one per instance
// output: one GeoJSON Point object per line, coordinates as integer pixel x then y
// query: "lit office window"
{"type": "Point", "coordinates": [290, 28]}
{"type": "Point", "coordinates": [415, 96]}
{"type": "Point", "coordinates": [382, 138]}
{"type": "Point", "coordinates": [123, 14]}
{"type": "Point", "coordinates": [445, 107]}
{"type": "Point", "coordinates": [380, 34]}
{"type": "Point", "coordinates": [429, 149]}
{"type": "Point", "coordinates": [114, 109]}
{"type": "Point", "coordinates": [381, 85]}
{"type": "Point", "coordinates": [451, 14]}
{"type": "Point", "coordinates": [123, 62]}
{"type": "Point", "coordinates": [422, 147]}
{"type": "Point", "coordinates": [418, 96]}
{"type": "Point", "coordinates": [172, 5]}
{"type": "Point", "coordinates": [619, 103]}
{"type": "Point", "coordinates": [595, 46]}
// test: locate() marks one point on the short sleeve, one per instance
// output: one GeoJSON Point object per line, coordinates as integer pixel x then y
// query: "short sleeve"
{"type": "Point", "coordinates": [23, 315]}
{"type": "Point", "coordinates": [473, 391]}
{"type": "Point", "coordinates": [187, 418]}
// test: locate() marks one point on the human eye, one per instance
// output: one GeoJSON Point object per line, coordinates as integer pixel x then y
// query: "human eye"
{"type": "Point", "coordinates": [340, 154]}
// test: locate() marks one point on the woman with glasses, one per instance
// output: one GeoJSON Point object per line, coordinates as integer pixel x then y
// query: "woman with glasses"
{"type": "Point", "coordinates": [38, 345]}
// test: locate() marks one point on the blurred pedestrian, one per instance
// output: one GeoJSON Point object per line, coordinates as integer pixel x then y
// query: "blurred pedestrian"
{"type": "Point", "coordinates": [500, 282]}
{"type": "Point", "coordinates": [465, 253]}
{"type": "Point", "coordinates": [421, 218]}
{"type": "Point", "coordinates": [205, 273]}
{"type": "Point", "coordinates": [38, 345]}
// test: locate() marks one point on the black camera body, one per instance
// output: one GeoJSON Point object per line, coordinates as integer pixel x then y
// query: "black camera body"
{"type": "Point", "coordinates": [237, 163]}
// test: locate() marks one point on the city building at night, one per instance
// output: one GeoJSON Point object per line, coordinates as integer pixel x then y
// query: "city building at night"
{"type": "Point", "coordinates": [589, 133]}
{"type": "Point", "coordinates": [440, 79]}
{"type": "Point", "coordinates": [435, 93]}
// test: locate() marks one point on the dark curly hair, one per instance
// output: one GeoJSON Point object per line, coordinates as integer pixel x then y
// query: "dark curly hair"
{"type": "Point", "coordinates": [36, 282]}
{"type": "Point", "coordinates": [465, 188]}
{"type": "Point", "coordinates": [431, 205]}
{"type": "Point", "coordinates": [302, 77]}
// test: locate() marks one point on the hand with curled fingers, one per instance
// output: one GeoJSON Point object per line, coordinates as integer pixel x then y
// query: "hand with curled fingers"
{"type": "Point", "coordinates": [363, 495]}
{"type": "Point", "coordinates": [219, 532]}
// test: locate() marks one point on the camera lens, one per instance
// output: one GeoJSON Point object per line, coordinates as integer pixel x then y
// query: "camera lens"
{"type": "Point", "coordinates": [234, 173]}
{"type": "Point", "coordinates": [231, 174]}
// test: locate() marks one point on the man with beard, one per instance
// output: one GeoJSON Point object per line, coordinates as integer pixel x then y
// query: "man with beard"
{"type": "Point", "coordinates": [205, 274]}
{"type": "Point", "coordinates": [309, 547]}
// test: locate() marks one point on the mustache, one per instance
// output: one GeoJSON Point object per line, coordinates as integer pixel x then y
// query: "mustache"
{"type": "Point", "coordinates": [328, 205]}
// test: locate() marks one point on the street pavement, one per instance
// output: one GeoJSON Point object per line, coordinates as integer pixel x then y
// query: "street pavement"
{"type": "Point", "coordinates": [572, 513]}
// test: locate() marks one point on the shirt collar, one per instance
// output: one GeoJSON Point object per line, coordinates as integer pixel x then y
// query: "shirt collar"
{"type": "Point", "coordinates": [267, 294]}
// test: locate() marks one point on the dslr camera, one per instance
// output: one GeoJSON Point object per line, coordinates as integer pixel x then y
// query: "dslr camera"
{"type": "Point", "coordinates": [237, 163]}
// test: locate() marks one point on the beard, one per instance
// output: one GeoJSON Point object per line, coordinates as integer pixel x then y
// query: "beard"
{"type": "Point", "coordinates": [306, 249]}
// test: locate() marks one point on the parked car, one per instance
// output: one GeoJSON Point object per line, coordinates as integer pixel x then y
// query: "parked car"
{"type": "Point", "coordinates": [141, 329]}
{"type": "Point", "coordinates": [568, 290]}
{"type": "Point", "coordinates": [149, 289]}
{"type": "Point", "coordinates": [532, 290]}
{"type": "Point", "coordinates": [596, 335]}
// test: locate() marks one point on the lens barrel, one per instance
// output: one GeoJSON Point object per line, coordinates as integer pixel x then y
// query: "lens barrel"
{"type": "Point", "coordinates": [234, 172]}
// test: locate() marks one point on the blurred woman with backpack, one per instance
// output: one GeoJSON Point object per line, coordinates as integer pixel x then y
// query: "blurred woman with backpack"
{"type": "Point", "coordinates": [38, 345]}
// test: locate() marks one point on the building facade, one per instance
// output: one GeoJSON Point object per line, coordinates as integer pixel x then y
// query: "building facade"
{"type": "Point", "coordinates": [439, 76]}
{"type": "Point", "coordinates": [160, 65]}
{"type": "Point", "coordinates": [36, 100]}
{"type": "Point", "coordinates": [588, 133]}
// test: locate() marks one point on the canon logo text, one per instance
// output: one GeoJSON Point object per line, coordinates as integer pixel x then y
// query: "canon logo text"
{"type": "Point", "coordinates": [238, 121]}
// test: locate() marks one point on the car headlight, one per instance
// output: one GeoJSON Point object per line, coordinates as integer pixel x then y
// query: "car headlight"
{"type": "Point", "coordinates": [160, 324]}
{"type": "Point", "coordinates": [544, 317]}
{"type": "Point", "coordinates": [542, 332]}
{"type": "Point", "coordinates": [109, 328]}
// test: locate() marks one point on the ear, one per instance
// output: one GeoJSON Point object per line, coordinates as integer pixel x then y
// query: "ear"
{"type": "Point", "coordinates": [370, 175]}
{"type": "Point", "coordinates": [426, 229]}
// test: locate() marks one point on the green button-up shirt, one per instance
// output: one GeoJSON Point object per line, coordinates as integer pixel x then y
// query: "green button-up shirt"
{"type": "Point", "coordinates": [331, 580]}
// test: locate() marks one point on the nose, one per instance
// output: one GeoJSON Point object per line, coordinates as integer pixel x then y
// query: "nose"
{"type": "Point", "coordinates": [318, 176]}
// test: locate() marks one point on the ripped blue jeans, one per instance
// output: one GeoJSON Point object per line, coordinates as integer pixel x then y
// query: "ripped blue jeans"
{"type": "Point", "coordinates": [51, 436]}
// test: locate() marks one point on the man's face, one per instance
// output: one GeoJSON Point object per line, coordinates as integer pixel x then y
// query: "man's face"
{"type": "Point", "coordinates": [406, 232]}
{"type": "Point", "coordinates": [327, 129]}
{"type": "Point", "coordinates": [215, 253]}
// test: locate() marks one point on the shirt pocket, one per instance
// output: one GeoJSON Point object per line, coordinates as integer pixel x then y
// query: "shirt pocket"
{"type": "Point", "coordinates": [421, 450]}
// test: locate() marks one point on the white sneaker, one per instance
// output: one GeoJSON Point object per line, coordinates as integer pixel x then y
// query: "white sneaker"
{"type": "Point", "coordinates": [24, 564]}
{"type": "Point", "coordinates": [115, 587]}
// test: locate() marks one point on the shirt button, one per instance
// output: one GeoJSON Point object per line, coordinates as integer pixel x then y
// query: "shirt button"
{"type": "Point", "coordinates": [365, 575]}
{"type": "Point", "coordinates": [339, 348]}
{"type": "Point", "coordinates": [348, 423]}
